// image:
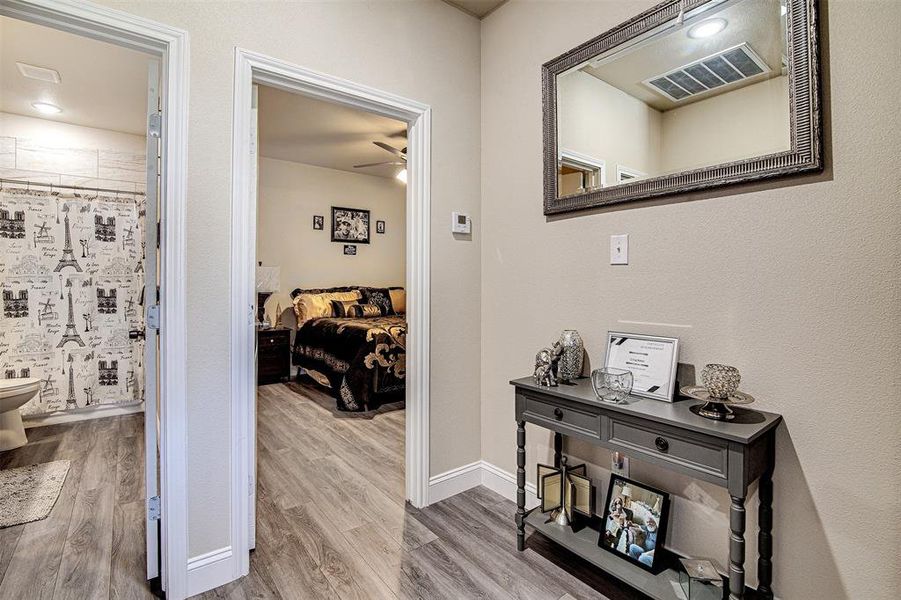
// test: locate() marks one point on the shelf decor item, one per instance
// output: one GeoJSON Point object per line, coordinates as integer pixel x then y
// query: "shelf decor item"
{"type": "Point", "coordinates": [652, 360]}
{"type": "Point", "coordinates": [700, 579]}
{"type": "Point", "coordinates": [565, 492]}
{"type": "Point", "coordinates": [634, 522]}
{"type": "Point", "coordinates": [720, 380]}
{"type": "Point", "coordinates": [546, 362]}
{"type": "Point", "coordinates": [717, 409]}
{"type": "Point", "coordinates": [611, 385]}
{"type": "Point", "coordinates": [573, 353]}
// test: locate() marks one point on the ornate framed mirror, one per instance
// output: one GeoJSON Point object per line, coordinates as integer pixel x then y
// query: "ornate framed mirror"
{"type": "Point", "coordinates": [690, 94]}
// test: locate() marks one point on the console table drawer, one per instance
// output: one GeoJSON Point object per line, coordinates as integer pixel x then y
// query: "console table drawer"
{"type": "Point", "coordinates": [565, 419]}
{"type": "Point", "coordinates": [670, 445]}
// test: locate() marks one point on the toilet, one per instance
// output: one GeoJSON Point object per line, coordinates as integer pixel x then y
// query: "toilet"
{"type": "Point", "coordinates": [13, 394]}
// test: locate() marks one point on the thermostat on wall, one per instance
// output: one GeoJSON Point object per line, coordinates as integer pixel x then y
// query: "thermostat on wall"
{"type": "Point", "coordinates": [461, 223]}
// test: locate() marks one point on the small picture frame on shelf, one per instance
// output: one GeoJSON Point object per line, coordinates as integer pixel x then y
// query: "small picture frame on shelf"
{"type": "Point", "coordinates": [651, 359]}
{"type": "Point", "coordinates": [318, 222]}
{"type": "Point", "coordinates": [634, 522]}
{"type": "Point", "coordinates": [380, 227]}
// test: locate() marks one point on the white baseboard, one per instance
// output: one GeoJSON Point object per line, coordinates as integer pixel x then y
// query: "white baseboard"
{"type": "Point", "coordinates": [474, 474]}
{"type": "Point", "coordinates": [210, 570]}
{"type": "Point", "coordinates": [455, 481]}
{"type": "Point", "coordinates": [82, 414]}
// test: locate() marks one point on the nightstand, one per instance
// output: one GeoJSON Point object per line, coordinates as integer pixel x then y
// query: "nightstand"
{"type": "Point", "coordinates": [273, 355]}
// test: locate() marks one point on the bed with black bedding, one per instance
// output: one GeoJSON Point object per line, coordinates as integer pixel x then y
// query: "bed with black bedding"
{"type": "Point", "coordinates": [363, 359]}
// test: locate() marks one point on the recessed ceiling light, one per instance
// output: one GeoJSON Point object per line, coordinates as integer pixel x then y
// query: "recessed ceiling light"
{"type": "Point", "coordinates": [46, 108]}
{"type": "Point", "coordinates": [707, 28]}
{"type": "Point", "coordinates": [39, 73]}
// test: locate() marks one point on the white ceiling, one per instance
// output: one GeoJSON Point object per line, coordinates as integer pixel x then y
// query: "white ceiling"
{"type": "Point", "coordinates": [103, 85]}
{"type": "Point", "coordinates": [757, 22]}
{"type": "Point", "coordinates": [477, 8]}
{"type": "Point", "coordinates": [304, 130]}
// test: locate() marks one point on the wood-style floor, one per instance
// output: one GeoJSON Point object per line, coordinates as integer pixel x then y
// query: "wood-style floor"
{"type": "Point", "coordinates": [331, 519]}
{"type": "Point", "coordinates": [91, 546]}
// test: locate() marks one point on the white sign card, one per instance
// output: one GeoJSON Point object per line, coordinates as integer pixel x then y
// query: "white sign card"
{"type": "Point", "coordinates": [651, 359]}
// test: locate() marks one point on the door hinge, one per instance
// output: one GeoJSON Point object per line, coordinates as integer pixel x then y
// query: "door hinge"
{"type": "Point", "coordinates": [153, 316]}
{"type": "Point", "coordinates": [153, 508]}
{"type": "Point", "coordinates": [155, 125]}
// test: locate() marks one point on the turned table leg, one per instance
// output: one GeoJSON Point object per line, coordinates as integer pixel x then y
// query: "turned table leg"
{"type": "Point", "coordinates": [558, 449]}
{"type": "Point", "coordinates": [737, 548]}
{"type": "Point", "coordinates": [520, 485]}
{"type": "Point", "coordinates": [765, 526]}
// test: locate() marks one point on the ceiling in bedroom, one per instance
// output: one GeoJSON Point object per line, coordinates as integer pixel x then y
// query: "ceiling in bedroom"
{"type": "Point", "coordinates": [101, 85]}
{"type": "Point", "coordinates": [477, 8]}
{"type": "Point", "coordinates": [304, 130]}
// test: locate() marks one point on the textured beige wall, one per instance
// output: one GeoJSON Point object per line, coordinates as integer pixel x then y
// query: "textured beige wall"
{"type": "Point", "coordinates": [426, 51]}
{"type": "Point", "coordinates": [291, 193]}
{"type": "Point", "coordinates": [796, 283]}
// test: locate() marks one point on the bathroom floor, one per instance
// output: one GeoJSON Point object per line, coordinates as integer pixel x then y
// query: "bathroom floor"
{"type": "Point", "coordinates": [91, 546]}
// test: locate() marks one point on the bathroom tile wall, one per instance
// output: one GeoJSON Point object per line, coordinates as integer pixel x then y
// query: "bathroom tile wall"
{"type": "Point", "coordinates": [71, 266]}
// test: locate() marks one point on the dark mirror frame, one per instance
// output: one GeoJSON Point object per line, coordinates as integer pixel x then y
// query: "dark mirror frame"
{"type": "Point", "coordinates": [805, 118]}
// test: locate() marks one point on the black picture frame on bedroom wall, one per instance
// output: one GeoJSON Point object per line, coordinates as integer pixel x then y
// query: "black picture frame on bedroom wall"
{"type": "Point", "coordinates": [350, 225]}
{"type": "Point", "coordinates": [350, 250]}
{"type": "Point", "coordinates": [626, 513]}
{"type": "Point", "coordinates": [318, 222]}
{"type": "Point", "coordinates": [380, 227]}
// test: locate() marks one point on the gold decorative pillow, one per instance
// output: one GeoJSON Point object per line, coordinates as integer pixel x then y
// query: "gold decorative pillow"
{"type": "Point", "coordinates": [317, 306]}
{"type": "Point", "coordinates": [398, 300]}
{"type": "Point", "coordinates": [364, 310]}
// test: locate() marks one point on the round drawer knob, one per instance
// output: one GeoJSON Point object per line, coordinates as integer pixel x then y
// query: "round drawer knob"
{"type": "Point", "coordinates": [558, 413]}
{"type": "Point", "coordinates": [661, 444]}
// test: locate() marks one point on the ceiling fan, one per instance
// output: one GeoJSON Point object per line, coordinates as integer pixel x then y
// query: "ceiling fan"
{"type": "Point", "coordinates": [400, 154]}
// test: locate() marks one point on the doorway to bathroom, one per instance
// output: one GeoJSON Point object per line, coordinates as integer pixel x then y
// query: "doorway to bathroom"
{"type": "Point", "coordinates": [81, 158]}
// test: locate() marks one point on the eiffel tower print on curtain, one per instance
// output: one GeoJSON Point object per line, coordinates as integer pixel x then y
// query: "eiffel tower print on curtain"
{"type": "Point", "coordinates": [68, 258]}
{"type": "Point", "coordinates": [71, 333]}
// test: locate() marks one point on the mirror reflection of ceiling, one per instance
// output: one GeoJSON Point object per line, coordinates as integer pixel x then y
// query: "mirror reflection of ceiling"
{"type": "Point", "coordinates": [755, 22]}
{"type": "Point", "coordinates": [313, 132]}
{"type": "Point", "coordinates": [101, 85]}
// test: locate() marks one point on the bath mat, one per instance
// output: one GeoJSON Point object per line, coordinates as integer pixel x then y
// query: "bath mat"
{"type": "Point", "coordinates": [28, 493]}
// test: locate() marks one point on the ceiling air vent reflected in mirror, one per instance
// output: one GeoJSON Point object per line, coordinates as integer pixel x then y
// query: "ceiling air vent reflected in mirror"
{"type": "Point", "coordinates": [721, 69]}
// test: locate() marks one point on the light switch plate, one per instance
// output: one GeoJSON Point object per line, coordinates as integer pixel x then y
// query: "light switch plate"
{"type": "Point", "coordinates": [461, 223]}
{"type": "Point", "coordinates": [619, 249]}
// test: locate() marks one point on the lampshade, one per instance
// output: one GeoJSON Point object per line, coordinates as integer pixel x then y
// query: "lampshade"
{"type": "Point", "coordinates": [627, 491]}
{"type": "Point", "coordinates": [268, 279]}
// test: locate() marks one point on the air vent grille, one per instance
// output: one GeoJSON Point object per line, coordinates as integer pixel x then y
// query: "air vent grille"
{"type": "Point", "coordinates": [39, 73]}
{"type": "Point", "coordinates": [721, 69]}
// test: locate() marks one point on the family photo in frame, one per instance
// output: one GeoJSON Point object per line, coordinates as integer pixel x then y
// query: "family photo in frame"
{"type": "Point", "coordinates": [634, 522]}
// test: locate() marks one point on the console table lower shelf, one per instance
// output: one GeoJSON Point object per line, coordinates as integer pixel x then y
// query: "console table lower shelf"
{"type": "Point", "coordinates": [584, 543]}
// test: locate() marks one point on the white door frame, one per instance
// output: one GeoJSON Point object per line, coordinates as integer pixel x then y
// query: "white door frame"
{"type": "Point", "coordinates": [250, 68]}
{"type": "Point", "coordinates": [171, 46]}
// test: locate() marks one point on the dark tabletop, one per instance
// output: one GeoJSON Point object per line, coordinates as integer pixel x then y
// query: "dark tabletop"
{"type": "Point", "coordinates": [748, 425]}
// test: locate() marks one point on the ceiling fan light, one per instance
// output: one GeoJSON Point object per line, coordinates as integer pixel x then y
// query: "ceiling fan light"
{"type": "Point", "coordinates": [402, 175]}
{"type": "Point", "coordinates": [707, 28]}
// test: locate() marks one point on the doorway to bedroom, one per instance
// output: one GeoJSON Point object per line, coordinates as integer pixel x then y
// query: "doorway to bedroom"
{"type": "Point", "coordinates": [331, 318]}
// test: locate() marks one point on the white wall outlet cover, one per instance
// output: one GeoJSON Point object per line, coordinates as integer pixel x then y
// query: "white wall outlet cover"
{"type": "Point", "coordinates": [461, 223]}
{"type": "Point", "coordinates": [619, 249]}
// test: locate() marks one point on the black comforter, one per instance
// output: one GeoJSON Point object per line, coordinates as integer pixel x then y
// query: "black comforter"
{"type": "Point", "coordinates": [364, 360]}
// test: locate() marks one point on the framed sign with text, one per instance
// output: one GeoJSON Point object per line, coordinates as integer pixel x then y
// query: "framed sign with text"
{"type": "Point", "coordinates": [651, 359]}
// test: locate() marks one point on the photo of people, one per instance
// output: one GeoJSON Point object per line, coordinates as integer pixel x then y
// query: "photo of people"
{"type": "Point", "coordinates": [634, 521]}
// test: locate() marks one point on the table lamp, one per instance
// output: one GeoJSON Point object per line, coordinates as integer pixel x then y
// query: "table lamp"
{"type": "Point", "coordinates": [267, 284]}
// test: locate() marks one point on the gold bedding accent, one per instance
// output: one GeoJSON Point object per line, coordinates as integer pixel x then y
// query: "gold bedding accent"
{"type": "Point", "coordinates": [314, 306]}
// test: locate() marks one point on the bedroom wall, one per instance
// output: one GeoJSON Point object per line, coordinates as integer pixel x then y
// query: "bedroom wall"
{"type": "Point", "coordinates": [795, 282]}
{"type": "Point", "coordinates": [291, 193]}
{"type": "Point", "coordinates": [426, 51]}
{"type": "Point", "coordinates": [105, 365]}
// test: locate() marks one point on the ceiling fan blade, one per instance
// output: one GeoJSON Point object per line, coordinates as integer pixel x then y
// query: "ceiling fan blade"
{"type": "Point", "coordinates": [391, 149]}
{"type": "Point", "coordinates": [379, 164]}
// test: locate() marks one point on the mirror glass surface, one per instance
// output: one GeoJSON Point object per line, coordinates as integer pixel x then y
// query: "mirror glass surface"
{"type": "Point", "coordinates": [711, 90]}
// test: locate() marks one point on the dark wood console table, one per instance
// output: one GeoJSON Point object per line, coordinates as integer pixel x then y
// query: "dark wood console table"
{"type": "Point", "coordinates": [730, 454]}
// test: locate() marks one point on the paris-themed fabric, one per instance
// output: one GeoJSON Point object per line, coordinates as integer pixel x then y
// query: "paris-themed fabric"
{"type": "Point", "coordinates": [71, 276]}
{"type": "Point", "coordinates": [364, 359]}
